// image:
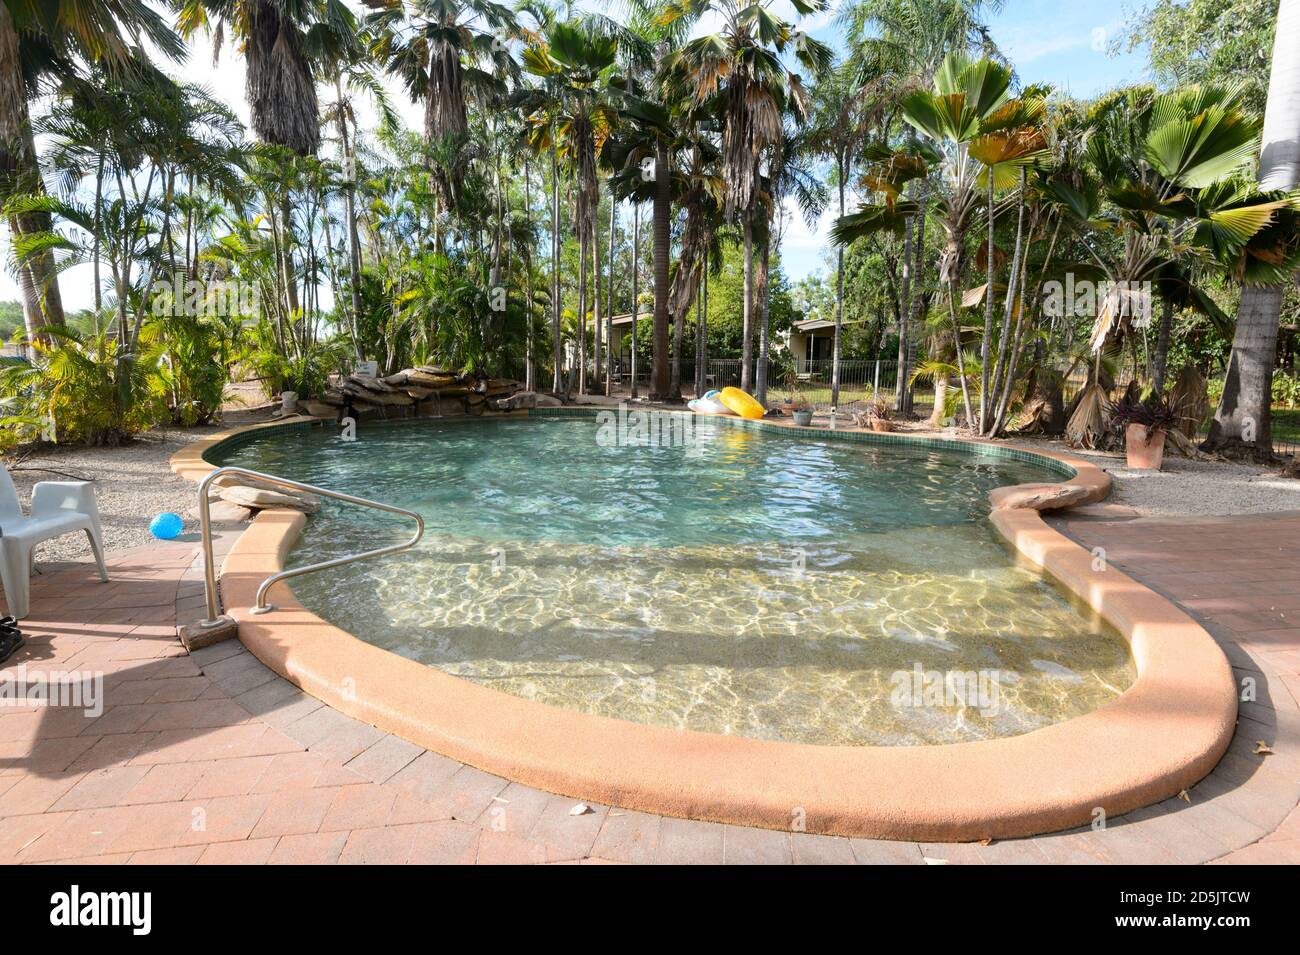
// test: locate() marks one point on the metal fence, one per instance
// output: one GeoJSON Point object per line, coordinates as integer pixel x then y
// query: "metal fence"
{"type": "Point", "coordinates": [860, 380]}
{"type": "Point", "coordinates": [810, 380]}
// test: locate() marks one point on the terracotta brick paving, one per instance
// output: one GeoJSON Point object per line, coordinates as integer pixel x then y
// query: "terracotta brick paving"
{"type": "Point", "coordinates": [211, 758]}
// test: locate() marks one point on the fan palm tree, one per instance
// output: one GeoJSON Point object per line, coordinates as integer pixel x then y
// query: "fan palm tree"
{"type": "Point", "coordinates": [973, 123]}
{"type": "Point", "coordinates": [742, 65]}
{"type": "Point", "coordinates": [1243, 420]}
{"type": "Point", "coordinates": [1174, 166]}
{"type": "Point", "coordinates": [900, 45]}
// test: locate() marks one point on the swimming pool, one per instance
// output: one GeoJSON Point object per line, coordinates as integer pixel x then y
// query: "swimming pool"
{"type": "Point", "coordinates": [743, 582]}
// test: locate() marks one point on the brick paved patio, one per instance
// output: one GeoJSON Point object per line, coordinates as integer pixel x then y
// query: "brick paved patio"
{"type": "Point", "coordinates": [212, 758]}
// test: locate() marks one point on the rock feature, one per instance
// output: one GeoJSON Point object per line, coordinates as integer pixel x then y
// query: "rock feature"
{"type": "Point", "coordinates": [1038, 497]}
{"type": "Point", "coordinates": [423, 391]}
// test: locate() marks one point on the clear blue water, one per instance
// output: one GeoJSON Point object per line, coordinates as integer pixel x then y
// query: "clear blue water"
{"type": "Point", "coordinates": [745, 583]}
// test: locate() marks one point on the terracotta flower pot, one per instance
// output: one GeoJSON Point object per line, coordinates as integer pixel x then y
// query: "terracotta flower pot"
{"type": "Point", "coordinates": [881, 424]}
{"type": "Point", "coordinates": [1144, 454]}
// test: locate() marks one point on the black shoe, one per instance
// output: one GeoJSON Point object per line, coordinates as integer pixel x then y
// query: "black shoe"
{"type": "Point", "coordinates": [11, 641]}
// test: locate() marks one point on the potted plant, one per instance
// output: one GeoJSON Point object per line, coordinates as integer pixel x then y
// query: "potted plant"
{"type": "Point", "coordinates": [1144, 423]}
{"type": "Point", "coordinates": [801, 411]}
{"type": "Point", "coordinates": [880, 416]}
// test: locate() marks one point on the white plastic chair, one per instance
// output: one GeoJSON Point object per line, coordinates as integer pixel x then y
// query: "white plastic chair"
{"type": "Point", "coordinates": [58, 508]}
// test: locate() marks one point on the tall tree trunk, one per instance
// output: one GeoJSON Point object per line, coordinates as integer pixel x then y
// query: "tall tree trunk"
{"type": "Point", "coordinates": [699, 345]}
{"type": "Point", "coordinates": [636, 288]}
{"type": "Point", "coordinates": [1009, 308]}
{"type": "Point", "coordinates": [988, 316]}
{"type": "Point", "coordinates": [903, 400]}
{"type": "Point", "coordinates": [584, 245]}
{"type": "Point", "coordinates": [839, 300]}
{"type": "Point", "coordinates": [747, 324]}
{"type": "Point", "coordinates": [597, 369]}
{"type": "Point", "coordinates": [556, 336]}
{"type": "Point", "coordinates": [1162, 345]}
{"type": "Point", "coordinates": [961, 354]}
{"type": "Point", "coordinates": [679, 325]}
{"type": "Point", "coordinates": [609, 298]}
{"type": "Point", "coordinates": [661, 385]}
{"type": "Point", "coordinates": [350, 210]}
{"type": "Point", "coordinates": [1243, 422]}
{"type": "Point", "coordinates": [764, 313]}
{"type": "Point", "coordinates": [904, 313]}
{"type": "Point", "coordinates": [702, 333]}
{"type": "Point", "coordinates": [20, 174]}
{"type": "Point", "coordinates": [530, 361]}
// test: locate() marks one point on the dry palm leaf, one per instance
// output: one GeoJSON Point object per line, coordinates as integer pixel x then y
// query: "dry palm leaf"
{"type": "Point", "coordinates": [1190, 400]}
{"type": "Point", "coordinates": [1088, 423]}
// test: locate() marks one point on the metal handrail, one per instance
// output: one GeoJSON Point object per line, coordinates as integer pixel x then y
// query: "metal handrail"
{"type": "Point", "coordinates": [261, 606]}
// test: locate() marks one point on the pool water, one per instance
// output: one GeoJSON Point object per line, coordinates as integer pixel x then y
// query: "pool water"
{"type": "Point", "coordinates": [744, 582]}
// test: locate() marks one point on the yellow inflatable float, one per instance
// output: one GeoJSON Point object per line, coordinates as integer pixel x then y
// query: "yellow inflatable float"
{"type": "Point", "coordinates": [741, 403]}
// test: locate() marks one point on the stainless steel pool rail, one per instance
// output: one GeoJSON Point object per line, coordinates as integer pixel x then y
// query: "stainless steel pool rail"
{"type": "Point", "coordinates": [261, 606]}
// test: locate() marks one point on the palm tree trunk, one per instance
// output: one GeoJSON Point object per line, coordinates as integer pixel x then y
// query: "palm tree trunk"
{"type": "Point", "coordinates": [675, 382]}
{"type": "Point", "coordinates": [597, 368]}
{"type": "Point", "coordinates": [764, 313]}
{"type": "Point", "coordinates": [702, 332]}
{"type": "Point", "coordinates": [904, 397]}
{"type": "Point", "coordinates": [609, 298]}
{"type": "Point", "coordinates": [961, 357]}
{"type": "Point", "coordinates": [1004, 342]}
{"type": "Point", "coordinates": [555, 273]}
{"type": "Point", "coordinates": [42, 301]}
{"type": "Point", "coordinates": [904, 313]}
{"type": "Point", "coordinates": [1162, 345]}
{"type": "Point", "coordinates": [636, 289]}
{"type": "Point", "coordinates": [661, 385]}
{"type": "Point", "coordinates": [1243, 421]}
{"type": "Point", "coordinates": [702, 348]}
{"type": "Point", "coordinates": [988, 315]}
{"type": "Point", "coordinates": [747, 324]}
{"type": "Point", "coordinates": [839, 301]}
{"type": "Point", "coordinates": [350, 209]}
{"type": "Point", "coordinates": [583, 246]}
{"type": "Point", "coordinates": [530, 378]}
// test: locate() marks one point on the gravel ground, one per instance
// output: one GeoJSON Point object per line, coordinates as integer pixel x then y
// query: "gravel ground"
{"type": "Point", "coordinates": [1184, 487]}
{"type": "Point", "coordinates": [132, 484]}
{"type": "Point", "coordinates": [135, 482]}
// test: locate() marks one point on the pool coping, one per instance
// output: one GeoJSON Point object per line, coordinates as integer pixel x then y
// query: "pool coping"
{"type": "Point", "coordinates": [1158, 738]}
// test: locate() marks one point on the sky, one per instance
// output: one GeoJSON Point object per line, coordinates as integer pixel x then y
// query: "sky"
{"type": "Point", "coordinates": [1047, 41]}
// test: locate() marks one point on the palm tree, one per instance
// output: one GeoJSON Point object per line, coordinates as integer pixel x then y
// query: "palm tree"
{"type": "Point", "coordinates": [741, 64]}
{"type": "Point", "coordinates": [348, 65]}
{"type": "Point", "coordinates": [901, 44]}
{"type": "Point", "coordinates": [1243, 420]}
{"type": "Point", "coordinates": [967, 115]}
{"type": "Point", "coordinates": [574, 60]}
{"type": "Point", "coordinates": [1178, 201]}
{"type": "Point", "coordinates": [278, 38]}
{"type": "Point", "coordinates": [844, 111]}
{"type": "Point", "coordinates": [445, 51]}
{"type": "Point", "coordinates": [788, 175]}
{"type": "Point", "coordinates": [40, 42]}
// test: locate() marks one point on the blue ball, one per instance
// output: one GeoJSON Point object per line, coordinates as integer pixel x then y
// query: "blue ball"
{"type": "Point", "coordinates": [166, 526]}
